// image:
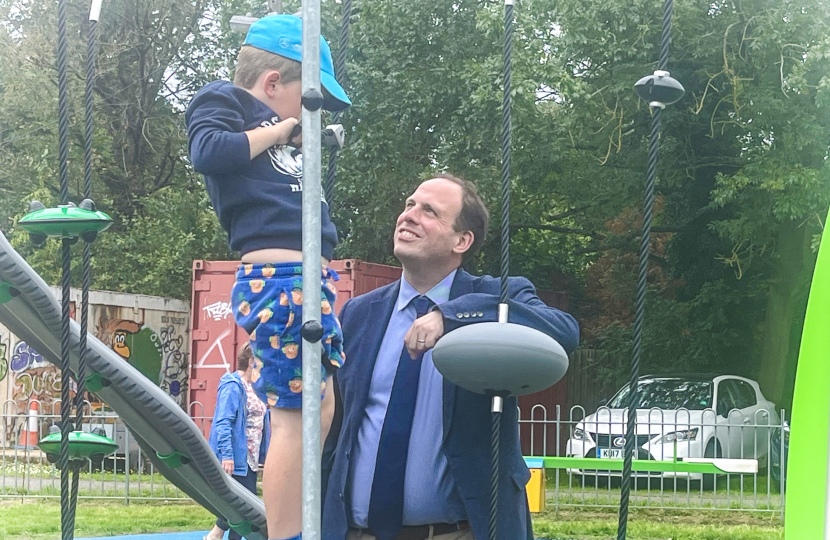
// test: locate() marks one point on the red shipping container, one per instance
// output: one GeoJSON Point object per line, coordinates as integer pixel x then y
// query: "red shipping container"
{"type": "Point", "coordinates": [215, 338]}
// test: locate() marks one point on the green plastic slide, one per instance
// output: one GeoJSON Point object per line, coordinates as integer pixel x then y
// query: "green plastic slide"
{"type": "Point", "coordinates": [806, 502]}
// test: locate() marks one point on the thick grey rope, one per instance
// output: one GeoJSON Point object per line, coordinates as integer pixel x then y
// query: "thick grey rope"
{"type": "Point", "coordinates": [505, 252]}
{"type": "Point", "coordinates": [505, 150]}
{"type": "Point", "coordinates": [651, 174]}
{"type": "Point", "coordinates": [67, 532]}
{"type": "Point", "coordinates": [81, 375]}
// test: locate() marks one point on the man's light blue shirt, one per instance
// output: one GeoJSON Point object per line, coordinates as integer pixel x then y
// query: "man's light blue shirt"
{"type": "Point", "coordinates": [430, 495]}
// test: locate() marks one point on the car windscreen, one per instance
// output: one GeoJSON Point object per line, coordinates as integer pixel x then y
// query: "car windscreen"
{"type": "Point", "coordinates": [667, 394]}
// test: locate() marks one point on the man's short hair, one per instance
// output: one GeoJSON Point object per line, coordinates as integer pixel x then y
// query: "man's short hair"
{"type": "Point", "coordinates": [244, 357]}
{"type": "Point", "coordinates": [252, 62]}
{"type": "Point", "coordinates": [474, 215]}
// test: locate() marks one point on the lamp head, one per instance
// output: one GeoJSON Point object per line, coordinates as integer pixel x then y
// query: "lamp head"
{"type": "Point", "coordinates": [659, 89]}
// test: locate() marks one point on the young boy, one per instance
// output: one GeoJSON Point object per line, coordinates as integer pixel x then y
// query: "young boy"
{"type": "Point", "coordinates": [240, 141]}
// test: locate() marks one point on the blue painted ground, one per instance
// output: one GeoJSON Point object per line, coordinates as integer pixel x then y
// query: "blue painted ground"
{"type": "Point", "coordinates": [196, 535]}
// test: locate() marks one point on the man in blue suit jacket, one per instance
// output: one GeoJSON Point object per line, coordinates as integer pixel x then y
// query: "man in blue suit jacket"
{"type": "Point", "coordinates": [446, 486]}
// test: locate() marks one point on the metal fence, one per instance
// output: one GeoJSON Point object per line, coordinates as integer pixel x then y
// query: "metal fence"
{"type": "Point", "coordinates": [666, 436]}
{"type": "Point", "coordinates": [26, 472]}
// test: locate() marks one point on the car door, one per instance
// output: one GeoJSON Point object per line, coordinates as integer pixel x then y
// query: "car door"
{"type": "Point", "coordinates": [754, 418]}
{"type": "Point", "coordinates": [729, 420]}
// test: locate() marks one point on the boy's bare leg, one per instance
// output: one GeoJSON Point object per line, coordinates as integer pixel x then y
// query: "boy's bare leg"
{"type": "Point", "coordinates": [215, 533]}
{"type": "Point", "coordinates": [327, 412]}
{"type": "Point", "coordinates": [282, 481]}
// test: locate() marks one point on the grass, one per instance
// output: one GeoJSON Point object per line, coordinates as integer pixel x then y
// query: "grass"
{"type": "Point", "coordinates": [645, 524]}
{"type": "Point", "coordinates": [732, 492]}
{"type": "Point", "coordinates": [41, 521]}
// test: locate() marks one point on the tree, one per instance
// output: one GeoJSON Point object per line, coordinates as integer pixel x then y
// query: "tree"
{"type": "Point", "coordinates": [743, 166]}
{"type": "Point", "coordinates": [742, 182]}
{"type": "Point", "coordinates": [162, 218]}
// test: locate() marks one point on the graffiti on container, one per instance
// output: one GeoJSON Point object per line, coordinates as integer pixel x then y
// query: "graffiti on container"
{"type": "Point", "coordinates": [157, 355]}
{"type": "Point", "coordinates": [174, 363]}
{"type": "Point", "coordinates": [218, 311]}
{"type": "Point", "coordinates": [4, 362]}
{"type": "Point", "coordinates": [25, 357]}
{"type": "Point", "coordinates": [134, 344]}
{"type": "Point", "coordinates": [217, 344]}
{"type": "Point", "coordinates": [34, 377]}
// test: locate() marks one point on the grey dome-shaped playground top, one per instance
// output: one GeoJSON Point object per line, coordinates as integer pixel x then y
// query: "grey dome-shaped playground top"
{"type": "Point", "coordinates": [500, 358]}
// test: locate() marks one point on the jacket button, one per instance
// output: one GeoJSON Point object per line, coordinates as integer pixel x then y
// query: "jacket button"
{"type": "Point", "coordinates": [466, 315]}
{"type": "Point", "coordinates": [341, 496]}
{"type": "Point", "coordinates": [480, 314]}
{"type": "Point", "coordinates": [459, 315]}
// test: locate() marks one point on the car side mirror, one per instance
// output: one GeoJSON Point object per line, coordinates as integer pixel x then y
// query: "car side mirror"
{"type": "Point", "coordinates": [603, 402]}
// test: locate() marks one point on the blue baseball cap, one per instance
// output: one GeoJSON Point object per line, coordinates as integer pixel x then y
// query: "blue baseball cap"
{"type": "Point", "coordinates": [283, 35]}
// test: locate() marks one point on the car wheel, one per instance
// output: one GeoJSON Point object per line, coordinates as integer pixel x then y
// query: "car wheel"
{"type": "Point", "coordinates": [713, 450]}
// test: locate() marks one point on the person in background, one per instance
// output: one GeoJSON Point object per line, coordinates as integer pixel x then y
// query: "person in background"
{"type": "Point", "coordinates": [240, 431]}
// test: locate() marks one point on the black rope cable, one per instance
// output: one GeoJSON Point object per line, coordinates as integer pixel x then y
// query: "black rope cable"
{"type": "Point", "coordinates": [651, 174]}
{"type": "Point", "coordinates": [633, 395]}
{"type": "Point", "coordinates": [494, 477]}
{"type": "Point", "coordinates": [340, 73]}
{"type": "Point", "coordinates": [505, 149]}
{"type": "Point", "coordinates": [495, 431]}
{"type": "Point", "coordinates": [66, 281]}
{"type": "Point", "coordinates": [87, 262]}
{"type": "Point", "coordinates": [66, 422]}
{"type": "Point", "coordinates": [88, 135]}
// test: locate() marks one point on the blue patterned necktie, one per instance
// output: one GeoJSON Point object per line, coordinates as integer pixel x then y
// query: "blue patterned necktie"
{"type": "Point", "coordinates": [386, 502]}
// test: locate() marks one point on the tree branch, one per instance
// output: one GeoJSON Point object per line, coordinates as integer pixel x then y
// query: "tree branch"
{"type": "Point", "coordinates": [556, 228]}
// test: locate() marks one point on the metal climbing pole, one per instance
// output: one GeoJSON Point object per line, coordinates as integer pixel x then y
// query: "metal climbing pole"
{"type": "Point", "coordinates": [312, 195]}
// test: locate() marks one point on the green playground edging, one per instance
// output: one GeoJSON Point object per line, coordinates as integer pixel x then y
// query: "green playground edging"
{"type": "Point", "coordinates": [806, 515]}
{"type": "Point", "coordinates": [640, 465]}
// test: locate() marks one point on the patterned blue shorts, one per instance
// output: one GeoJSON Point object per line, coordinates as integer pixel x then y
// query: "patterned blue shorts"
{"type": "Point", "coordinates": [267, 302]}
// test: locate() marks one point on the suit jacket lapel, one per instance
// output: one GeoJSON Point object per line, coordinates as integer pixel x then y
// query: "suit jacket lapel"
{"type": "Point", "coordinates": [461, 285]}
{"type": "Point", "coordinates": [366, 354]}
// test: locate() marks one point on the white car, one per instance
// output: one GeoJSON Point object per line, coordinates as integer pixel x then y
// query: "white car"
{"type": "Point", "coordinates": [687, 416]}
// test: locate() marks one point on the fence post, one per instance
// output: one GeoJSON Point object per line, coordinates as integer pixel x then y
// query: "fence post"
{"type": "Point", "coordinates": [782, 469]}
{"type": "Point", "coordinates": [556, 471]}
{"type": "Point", "coordinates": [127, 465]}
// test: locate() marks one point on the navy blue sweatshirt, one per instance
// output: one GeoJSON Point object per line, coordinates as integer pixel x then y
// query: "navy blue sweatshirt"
{"type": "Point", "coordinates": [258, 201]}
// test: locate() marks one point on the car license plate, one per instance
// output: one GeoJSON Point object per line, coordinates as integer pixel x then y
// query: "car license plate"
{"type": "Point", "coordinates": [611, 453]}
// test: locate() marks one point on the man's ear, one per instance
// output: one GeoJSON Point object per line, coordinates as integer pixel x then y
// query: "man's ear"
{"type": "Point", "coordinates": [270, 80]}
{"type": "Point", "coordinates": [465, 242]}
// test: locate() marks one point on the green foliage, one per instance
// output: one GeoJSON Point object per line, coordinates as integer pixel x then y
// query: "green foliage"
{"type": "Point", "coordinates": [708, 334]}
{"type": "Point", "coordinates": [161, 213]}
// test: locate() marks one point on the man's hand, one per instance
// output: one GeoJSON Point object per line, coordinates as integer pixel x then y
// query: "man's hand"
{"type": "Point", "coordinates": [227, 465]}
{"type": "Point", "coordinates": [424, 333]}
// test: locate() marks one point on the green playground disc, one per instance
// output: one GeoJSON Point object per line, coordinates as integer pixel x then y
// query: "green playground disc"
{"type": "Point", "coordinates": [65, 221]}
{"type": "Point", "coordinates": [82, 445]}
